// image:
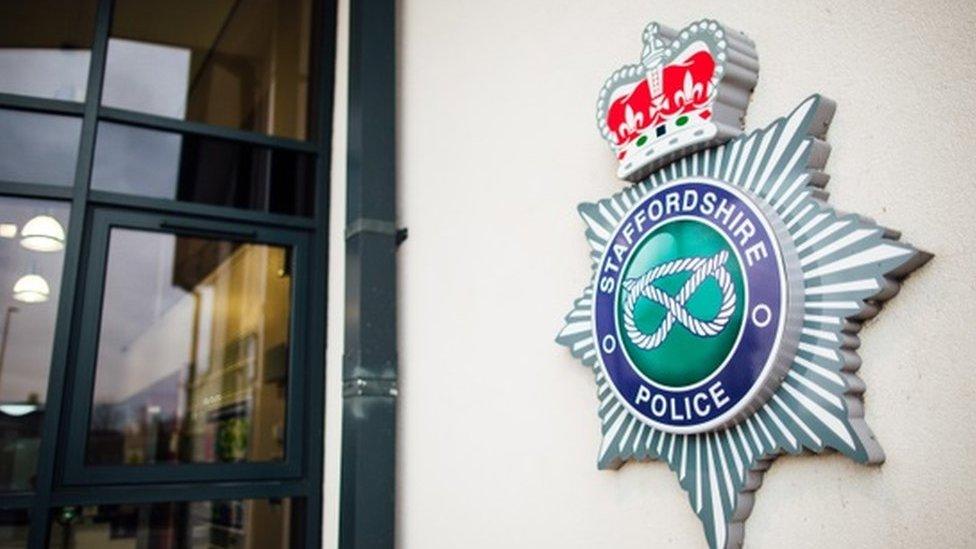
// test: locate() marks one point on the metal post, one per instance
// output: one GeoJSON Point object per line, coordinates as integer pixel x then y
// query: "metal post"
{"type": "Point", "coordinates": [370, 361]}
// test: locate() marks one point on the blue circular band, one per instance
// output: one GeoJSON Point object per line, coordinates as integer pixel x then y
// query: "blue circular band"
{"type": "Point", "coordinates": [725, 392]}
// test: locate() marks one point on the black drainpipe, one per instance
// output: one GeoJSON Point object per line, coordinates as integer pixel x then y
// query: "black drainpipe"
{"type": "Point", "coordinates": [367, 496]}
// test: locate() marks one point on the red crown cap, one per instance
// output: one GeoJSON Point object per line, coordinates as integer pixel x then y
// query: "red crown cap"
{"type": "Point", "coordinates": [690, 91]}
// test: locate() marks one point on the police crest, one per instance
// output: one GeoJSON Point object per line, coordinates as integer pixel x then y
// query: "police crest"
{"type": "Point", "coordinates": [727, 294]}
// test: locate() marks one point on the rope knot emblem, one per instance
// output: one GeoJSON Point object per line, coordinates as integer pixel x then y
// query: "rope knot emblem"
{"type": "Point", "coordinates": [701, 269]}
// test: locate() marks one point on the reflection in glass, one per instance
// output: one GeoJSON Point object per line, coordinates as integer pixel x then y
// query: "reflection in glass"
{"type": "Point", "coordinates": [32, 288]}
{"type": "Point", "coordinates": [193, 351]}
{"type": "Point", "coordinates": [257, 523]}
{"type": "Point", "coordinates": [42, 234]}
{"type": "Point", "coordinates": [14, 525]}
{"type": "Point", "coordinates": [200, 169]}
{"type": "Point", "coordinates": [45, 47]}
{"type": "Point", "coordinates": [243, 64]}
{"type": "Point", "coordinates": [29, 285]}
{"type": "Point", "coordinates": [38, 148]}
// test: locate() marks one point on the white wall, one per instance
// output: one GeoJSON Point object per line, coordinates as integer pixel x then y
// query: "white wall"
{"type": "Point", "coordinates": [498, 431]}
{"type": "Point", "coordinates": [337, 265]}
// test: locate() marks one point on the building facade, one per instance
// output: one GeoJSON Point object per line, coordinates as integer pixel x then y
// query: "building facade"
{"type": "Point", "coordinates": [216, 333]}
{"type": "Point", "coordinates": [498, 433]}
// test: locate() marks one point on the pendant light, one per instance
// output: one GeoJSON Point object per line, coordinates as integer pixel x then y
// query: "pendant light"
{"type": "Point", "coordinates": [32, 288]}
{"type": "Point", "coordinates": [42, 234]}
{"type": "Point", "coordinates": [18, 409]}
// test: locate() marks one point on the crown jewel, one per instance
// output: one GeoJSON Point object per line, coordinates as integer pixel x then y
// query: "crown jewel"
{"type": "Point", "coordinates": [690, 91]}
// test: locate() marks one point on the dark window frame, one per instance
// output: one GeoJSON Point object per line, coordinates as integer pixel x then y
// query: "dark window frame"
{"type": "Point", "coordinates": [103, 220]}
{"type": "Point", "coordinates": [300, 476]}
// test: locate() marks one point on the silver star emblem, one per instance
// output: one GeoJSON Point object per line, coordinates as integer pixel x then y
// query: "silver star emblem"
{"type": "Point", "coordinates": [849, 264]}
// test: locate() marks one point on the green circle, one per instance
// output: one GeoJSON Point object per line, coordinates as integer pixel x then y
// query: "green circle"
{"type": "Point", "coordinates": [682, 358]}
{"type": "Point", "coordinates": [681, 121]}
{"type": "Point", "coordinates": [641, 140]}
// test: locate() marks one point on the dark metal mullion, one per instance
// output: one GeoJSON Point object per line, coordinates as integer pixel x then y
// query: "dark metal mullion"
{"type": "Point", "coordinates": [314, 420]}
{"type": "Point", "coordinates": [180, 492]}
{"type": "Point", "coordinates": [69, 282]}
{"type": "Point", "coordinates": [36, 190]}
{"type": "Point", "coordinates": [370, 361]}
{"type": "Point", "coordinates": [151, 121]}
{"type": "Point", "coordinates": [40, 104]}
{"type": "Point", "coordinates": [106, 198]}
{"type": "Point", "coordinates": [16, 500]}
{"type": "Point", "coordinates": [121, 475]}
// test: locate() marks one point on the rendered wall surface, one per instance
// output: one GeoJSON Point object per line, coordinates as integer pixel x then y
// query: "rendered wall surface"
{"type": "Point", "coordinates": [498, 432]}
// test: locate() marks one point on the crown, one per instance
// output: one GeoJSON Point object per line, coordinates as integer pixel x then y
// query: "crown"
{"type": "Point", "coordinates": [690, 91]}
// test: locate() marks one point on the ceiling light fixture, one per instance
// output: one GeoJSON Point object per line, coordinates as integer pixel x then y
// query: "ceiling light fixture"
{"type": "Point", "coordinates": [32, 288]}
{"type": "Point", "coordinates": [18, 410]}
{"type": "Point", "coordinates": [42, 234]}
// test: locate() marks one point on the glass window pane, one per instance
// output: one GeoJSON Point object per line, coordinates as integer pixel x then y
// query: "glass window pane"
{"type": "Point", "coordinates": [31, 258]}
{"type": "Point", "coordinates": [14, 525]}
{"type": "Point", "coordinates": [38, 148]}
{"type": "Point", "coordinates": [193, 351]}
{"type": "Point", "coordinates": [45, 47]}
{"type": "Point", "coordinates": [258, 523]}
{"type": "Point", "coordinates": [192, 168]}
{"type": "Point", "coordinates": [238, 63]}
